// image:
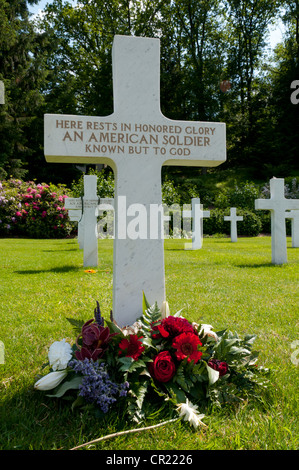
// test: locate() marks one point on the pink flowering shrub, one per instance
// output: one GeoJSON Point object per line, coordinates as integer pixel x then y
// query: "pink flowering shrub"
{"type": "Point", "coordinates": [33, 210]}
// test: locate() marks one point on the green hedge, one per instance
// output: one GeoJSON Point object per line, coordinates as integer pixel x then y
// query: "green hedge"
{"type": "Point", "coordinates": [250, 226]}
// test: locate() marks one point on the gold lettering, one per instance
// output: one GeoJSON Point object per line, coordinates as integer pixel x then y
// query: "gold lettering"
{"type": "Point", "coordinates": [92, 137]}
{"type": "Point", "coordinates": [153, 139]}
{"type": "Point", "coordinates": [67, 136]}
{"type": "Point", "coordinates": [79, 135]}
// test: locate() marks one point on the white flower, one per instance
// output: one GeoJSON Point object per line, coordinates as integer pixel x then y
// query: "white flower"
{"type": "Point", "coordinates": [213, 375]}
{"type": "Point", "coordinates": [51, 380]}
{"type": "Point", "coordinates": [133, 329]}
{"type": "Point", "coordinates": [165, 312]}
{"type": "Point", "coordinates": [189, 412]}
{"type": "Point", "coordinates": [60, 353]}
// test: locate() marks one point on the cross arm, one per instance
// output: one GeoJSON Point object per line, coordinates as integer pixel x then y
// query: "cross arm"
{"type": "Point", "coordinates": [264, 204]}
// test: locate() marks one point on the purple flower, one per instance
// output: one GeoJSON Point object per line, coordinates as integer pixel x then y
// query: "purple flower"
{"type": "Point", "coordinates": [96, 386]}
{"type": "Point", "coordinates": [95, 339]}
{"type": "Point", "coordinates": [97, 315]}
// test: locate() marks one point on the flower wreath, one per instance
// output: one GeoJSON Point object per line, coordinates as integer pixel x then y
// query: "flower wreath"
{"type": "Point", "coordinates": [161, 355]}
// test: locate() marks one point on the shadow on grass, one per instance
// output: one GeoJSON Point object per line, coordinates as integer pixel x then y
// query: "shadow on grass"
{"type": "Point", "coordinates": [176, 249]}
{"type": "Point", "coordinates": [259, 265]}
{"type": "Point", "coordinates": [54, 251]}
{"type": "Point", "coordinates": [57, 270]}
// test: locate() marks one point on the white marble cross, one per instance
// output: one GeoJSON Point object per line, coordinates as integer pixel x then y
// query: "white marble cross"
{"type": "Point", "coordinates": [90, 204]}
{"type": "Point", "coordinates": [233, 218]}
{"type": "Point", "coordinates": [278, 205]}
{"type": "Point", "coordinates": [135, 141]}
{"type": "Point", "coordinates": [294, 216]}
{"type": "Point", "coordinates": [196, 214]}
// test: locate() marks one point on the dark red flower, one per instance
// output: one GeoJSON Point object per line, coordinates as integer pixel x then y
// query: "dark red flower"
{"type": "Point", "coordinates": [171, 326]}
{"type": "Point", "coordinates": [95, 339]}
{"type": "Point", "coordinates": [87, 353]}
{"type": "Point", "coordinates": [186, 346]}
{"type": "Point", "coordinates": [162, 368]}
{"type": "Point", "coordinates": [221, 366]}
{"type": "Point", "coordinates": [131, 346]}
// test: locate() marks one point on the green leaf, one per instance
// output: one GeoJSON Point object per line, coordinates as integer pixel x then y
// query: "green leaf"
{"type": "Point", "coordinates": [141, 394]}
{"type": "Point", "coordinates": [146, 341]}
{"type": "Point", "coordinates": [113, 327]}
{"type": "Point", "coordinates": [145, 304]}
{"type": "Point", "coordinates": [150, 315]}
{"type": "Point", "coordinates": [126, 363]}
{"type": "Point", "coordinates": [77, 324]}
{"type": "Point", "coordinates": [72, 384]}
{"type": "Point", "coordinates": [80, 401]}
{"type": "Point", "coordinates": [130, 365]}
{"type": "Point", "coordinates": [249, 339]}
{"type": "Point", "coordinates": [178, 314]}
{"type": "Point", "coordinates": [180, 378]}
{"type": "Point", "coordinates": [176, 392]}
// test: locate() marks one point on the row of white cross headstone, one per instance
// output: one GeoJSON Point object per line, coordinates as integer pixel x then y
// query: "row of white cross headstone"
{"type": "Point", "coordinates": [85, 211]}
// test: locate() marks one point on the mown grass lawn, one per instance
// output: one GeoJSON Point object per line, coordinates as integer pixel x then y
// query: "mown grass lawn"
{"type": "Point", "coordinates": [228, 285]}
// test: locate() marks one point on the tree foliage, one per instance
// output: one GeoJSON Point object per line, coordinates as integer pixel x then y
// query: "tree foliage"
{"type": "Point", "coordinates": [61, 63]}
{"type": "Point", "coordinates": [22, 72]}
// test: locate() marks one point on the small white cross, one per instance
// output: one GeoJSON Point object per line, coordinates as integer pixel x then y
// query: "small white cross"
{"type": "Point", "coordinates": [196, 214]}
{"type": "Point", "coordinates": [278, 205]}
{"type": "Point", "coordinates": [233, 218]}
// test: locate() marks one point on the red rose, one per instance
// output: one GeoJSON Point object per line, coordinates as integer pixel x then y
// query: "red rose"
{"type": "Point", "coordinates": [186, 346]}
{"type": "Point", "coordinates": [221, 366]}
{"type": "Point", "coordinates": [163, 367]}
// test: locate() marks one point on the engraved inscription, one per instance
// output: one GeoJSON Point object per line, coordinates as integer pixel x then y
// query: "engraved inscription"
{"type": "Point", "coordinates": [108, 138]}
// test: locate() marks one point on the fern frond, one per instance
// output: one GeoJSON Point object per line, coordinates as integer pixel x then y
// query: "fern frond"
{"type": "Point", "coordinates": [180, 378]}
{"type": "Point", "coordinates": [150, 315]}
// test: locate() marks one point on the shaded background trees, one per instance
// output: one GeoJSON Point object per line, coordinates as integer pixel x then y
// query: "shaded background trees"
{"type": "Point", "coordinates": [61, 63]}
{"type": "Point", "coordinates": [23, 72]}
